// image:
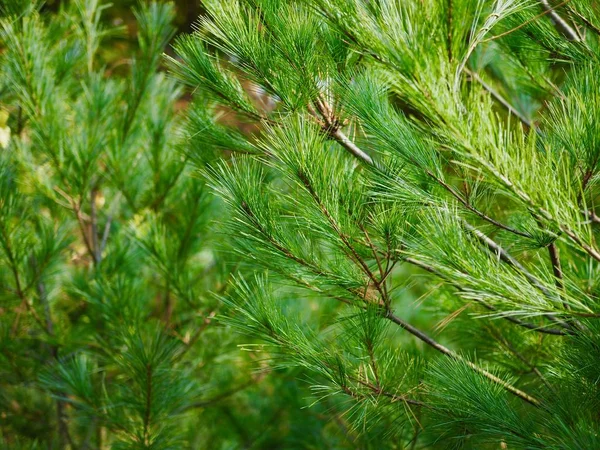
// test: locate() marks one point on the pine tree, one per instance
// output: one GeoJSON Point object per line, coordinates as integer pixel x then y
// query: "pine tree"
{"type": "Point", "coordinates": [417, 193]}
{"type": "Point", "coordinates": [109, 262]}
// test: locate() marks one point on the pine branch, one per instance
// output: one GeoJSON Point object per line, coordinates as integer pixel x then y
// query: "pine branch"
{"type": "Point", "coordinates": [504, 255]}
{"type": "Point", "coordinates": [507, 258]}
{"type": "Point", "coordinates": [446, 351]}
{"type": "Point", "coordinates": [474, 210]}
{"type": "Point", "coordinates": [387, 311]}
{"type": "Point", "coordinates": [389, 315]}
{"type": "Point", "coordinates": [458, 287]}
{"type": "Point", "coordinates": [560, 23]}
{"type": "Point", "coordinates": [332, 128]}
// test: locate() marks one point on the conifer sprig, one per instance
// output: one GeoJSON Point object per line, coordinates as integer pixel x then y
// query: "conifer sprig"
{"type": "Point", "coordinates": [410, 134]}
{"type": "Point", "coordinates": [108, 257]}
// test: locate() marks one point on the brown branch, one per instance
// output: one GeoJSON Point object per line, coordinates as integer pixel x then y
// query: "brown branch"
{"type": "Point", "coordinates": [585, 20]}
{"type": "Point", "coordinates": [591, 216]}
{"type": "Point", "coordinates": [353, 254]}
{"type": "Point", "coordinates": [76, 207]}
{"type": "Point", "coordinates": [592, 251]}
{"type": "Point", "coordinates": [332, 128]}
{"type": "Point", "coordinates": [383, 274]}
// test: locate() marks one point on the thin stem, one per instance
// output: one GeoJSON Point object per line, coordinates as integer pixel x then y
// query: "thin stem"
{"type": "Point", "coordinates": [591, 216]}
{"type": "Point", "coordinates": [17, 279]}
{"type": "Point", "coordinates": [332, 127]}
{"type": "Point", "coordinates": [148, 408]}
{"type": "Point", "coordinates": [528, 325]}
{"type": "Point", "coordinates": [446, 351]}
{"type": "Point", "coordinates": [379, 391]}
{"type": "Point", "coordinates": [76, 207]}
{"type": "Point", "coordinates": [449, 31]}
{"type": "Point", "coordinates": [474, 210]}
{"type": "Point", "coordinates": [548, 10]}
{"type": "Point", "coordinates": [342, 139]}
{"type": "Point", "coordinates": [508, 259]}
{"type": "Point", "coordinates": [108, 224]}
{"type": "Point", "coordinates": [382, 273]}
{"type": "Point", "coordinates": [94, 225]}
{"type": "Point", "coordinates": [542, 212]}
{"type": "Point", "coordinates": [585, 20]}
{"type": "Point", "coordinates": [223, 395]}
{"type": "Point", "coordinates": [557, 269]}
{"type": "Point", "coordinates": [560, 23]}
{"type": "Point", "coordinates": [522, 358]}
{"type": "Point", "coordinates": [503, 255]}
{"type": "Point", "coordinates": [352, 251]}
{"type": "Point", "coordinates": [64, 437]}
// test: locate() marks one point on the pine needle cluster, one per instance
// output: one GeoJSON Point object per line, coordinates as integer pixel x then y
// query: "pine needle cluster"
{"type": "Point", "coordinates": [418, 200]}
{"type": "Point", "coordinates": [109, 262]}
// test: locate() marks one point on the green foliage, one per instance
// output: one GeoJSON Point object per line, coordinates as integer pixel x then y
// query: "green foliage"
{"type": "Point", "coordinates": [404, 221]}
{"type": "Point", "coordinates": [429, 166]}
{"type": "Point", "coordinates": [109, 260]}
